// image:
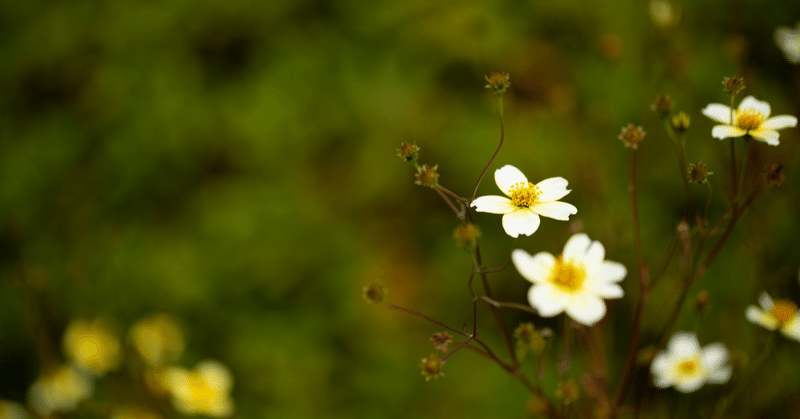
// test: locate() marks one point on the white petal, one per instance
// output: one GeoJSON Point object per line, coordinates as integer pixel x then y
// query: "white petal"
{"type": "Point", "coordinates": [508, 176]}
{"type": "Point", "coordinates": [547, 299]}
{"type": "Point", "coordinates": [520, 221]}
{"type": "Point", "coordinates": [754, 315]}
{"type": "Point", "coordinates": [575, 248]}
{"type": "Point", "coordinates": [765, 301]}
{"type": "Point", "coordinates": [779, 122]}
{"type": "Point", "coordinates": [718, 112]}
{"type": "Point", "coordinates": [610, 271]}
{"type": "Point", "coordinates": [720, 375]}
{"type": "Point", "coordinates": [715, 355]}
{"type": "Point", "coordinates": [792, 328]}
{"type": "Point", "coordinates": [586, 308]}
{"type": "Point", "coordinates": [605, 289]}
{"type": "Point", "coordinates": [552, 189]}
{"type": "Point", "coordinates": [683, 343]}
{"type": "Point", "coordinates": [691, 384]}
{"type": "Point", "coordinates": [751, 102]}
{"type": "Point", "coordinates": [493, 204]}
{"type": "Point", "coordinates": [595, 254]}
{"type": "Point", "coordinates": [536, 268]}
{"type": "Point", "coordinates": [769, 136]}
{"type": "Point", "coordinates": [662, 368]}
{"type": "Point", "coordinates": [556, 209]}
{"type": "Point", "coordinates": [726, 131]}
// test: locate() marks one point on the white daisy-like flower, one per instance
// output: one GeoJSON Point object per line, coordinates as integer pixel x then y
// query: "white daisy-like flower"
{"type": "Point", "coordinates": [778, 314]}
{"type": "Point", "coordinates": [687, 366]}
{"type": "Point", "coordinates": [788, 41]}
{"type": "Point", "coordinates": [575, 282]}
{"type": "Point", "coordinates": [751, 117]}
{"type": "Point", "coordinates": [526, 201]}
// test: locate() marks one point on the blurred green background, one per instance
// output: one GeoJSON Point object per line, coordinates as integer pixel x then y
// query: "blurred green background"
{"type": "Point", "coordinates": [233, 164]}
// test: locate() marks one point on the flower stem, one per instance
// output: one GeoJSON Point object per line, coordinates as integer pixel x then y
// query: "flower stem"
{"type": "Point", "coordinates": [719, 411]}
{"type": "Point", "coordinates": [502, 136]}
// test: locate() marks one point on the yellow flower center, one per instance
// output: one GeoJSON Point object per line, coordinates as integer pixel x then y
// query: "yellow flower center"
{"type": "Point", "coordinates": [749, 119]}
{"type": "Point", "coordinates": [568, 276]}
{"type": "Point", "coordinates": [784, 310]}
{"type": "Point", "coordinates": [687, 367]}
{"type": "Point", "coordinates": [524, 194]}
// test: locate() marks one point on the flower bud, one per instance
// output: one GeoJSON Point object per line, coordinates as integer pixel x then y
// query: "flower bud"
{"type": "Point", "coordinates": [631, 136]}
{"type": "Point", "coordinates": [663, 105]}
{"type": "Point", "coordinates": [427, 176]}
{"type": "Point", "coordinates": [698, 173]}
{"type": "Point", "coordinates": [733, 85]}
{"type": "Point", "coordinates": [431, 367]}
{"type": "Point", "coordinates": [680, 122]}
{"type": "Point", "coordinates": [467, 235]}
{"type": "Point", "coordinates": [374, 292]}
{"type": "Point", "coordinates": [498, 82]}
{"type": "Point", "coordinates": [408, 151]}
{"type": "Point", "coordinates": [701, 301]}
{"type": "Point", "coordinates": [441, 340]}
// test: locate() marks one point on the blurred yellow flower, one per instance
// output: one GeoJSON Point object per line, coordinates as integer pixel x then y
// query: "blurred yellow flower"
{"type": "Point", "coordinates": [204, 390]}
{"type": "Point", "coordinates": [576, 282]}
{"type": "Point", "coordinates": [92, 346]}
{"type": "Point", "coordinates": [158, 339]}
{"type": "Point", "coordinates": [59, 390]}
{"type": "Point", "coordinates": [751, 117]}
{"type": "Point", "coordinates": [526, 201]}
{"type": "Point", "coordinates": [778, 314]}
{"type": "Point", "coordinates": [11, 410]}
{"type": "Point", "coordinates": [134, 413]}
{"type": "Point", "coordinates": [687, 366]}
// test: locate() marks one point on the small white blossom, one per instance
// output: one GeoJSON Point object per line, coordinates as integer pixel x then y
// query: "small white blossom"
{"type": "Point", "coordinates": [779, 314]}
{"type": "Point", "coordinates": [751, 117]}
{"type": "Point", "coordinates": [575, 282]}
{"type": "Point", "coordinates": [526, 201]}
{"type": "Point", "coordinates": [788, 41]}
{"type": "Point", "coordinates": [687, 366]}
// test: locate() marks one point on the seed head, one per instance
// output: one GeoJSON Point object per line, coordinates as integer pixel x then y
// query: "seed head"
{"type": "Point", "coordinates": [431, 367]}
{"type": "Point", "coordinates": [631, 136]}
{"type": "Point", "coordinates": [408, 151]}
{"type": "Point", "coordinates": [427, 176]}
{"type": "Point", "coordinates": [663, 105]}
{"type": "Point", "coordinates": [441, 340]}
{"type": "Point", "coordinates": [498, 82]}
{"type": "Point", "coordinates": [680, 122]}
{"type": "Point", "coordinates": [698, 173]}
{"type": "Point", "coordinates": [374, 292]}
{"type": "Point", "coordinates": [467, 235]}
{"type": "Point", "coordinates": [733, 85]}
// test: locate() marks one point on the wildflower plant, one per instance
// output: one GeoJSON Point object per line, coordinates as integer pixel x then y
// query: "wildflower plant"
{"type": "Point", "coordinates": [582, 282]}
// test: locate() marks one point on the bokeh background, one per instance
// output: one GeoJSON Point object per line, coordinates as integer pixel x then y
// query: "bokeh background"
{"type": "Point", "coordinates": [232, 164]}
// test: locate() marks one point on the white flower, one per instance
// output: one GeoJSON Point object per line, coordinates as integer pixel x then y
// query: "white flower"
{"type": "Point", "coordinates": [59, 390]}
{"type": "Point", "coordinates": [205, 390]}
{"type": "Point", "coordinates": [526, 201]}
{"type": "Point", "coordinates": [751, 117]}
{"type": "Point", "coordinates": [781, 314]}
{"type": "Point", "coordinates": [687, 366]}
{"type": "Point", "coordinates": [789, 42]}
{"type": "Point", "coordinates": [575, 282]}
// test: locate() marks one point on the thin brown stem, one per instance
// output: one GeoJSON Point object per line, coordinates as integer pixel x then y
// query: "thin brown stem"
{"type": "Point", "coordinates": [426, 317]}
{"type": "Point", "coordinates": [453, 194]}
{"type": "Point", "coordinates": [502, 136]}
{"type": "Point", "coordinates": [461, 346]}
{"type": "Point", "coordinates": [498, 304]}
{"type": "Point", "coordinates": [459, 214]}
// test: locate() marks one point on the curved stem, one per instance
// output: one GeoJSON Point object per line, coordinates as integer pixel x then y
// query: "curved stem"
{"type": "Point", "coordinates": [502, 136]}
{"type": "Point", "coordinates": [498, 304]}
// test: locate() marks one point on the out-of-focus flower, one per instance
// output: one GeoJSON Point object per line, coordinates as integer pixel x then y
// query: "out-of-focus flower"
{"type": "Point", "coordinates": [687, 366]}
{"type": "Point", "coordinates": [788, 41]}
{"type": "Point", "coordinates": [575, 282]}
{"type": "Point", "coordinates": [681, 122]}
{"type": "Point", "coordinates": [204, 390]}
{"type": "Point", "coordinates": [498, 82]}
{"type": "Point", "coordinates": [432, 367]}
{"type": "Point", "coordinates": [751, 117]}
{"type": "Point", "coordinates": [778, 314]}
{"type": "Point", "coordinates": [59, 390]}
{"type": "Point", "coordinates": [662, 13]}
{"type": "Point", "coordinates": [11, 410]}
{"type": "Point", "coordinates": [92, 346]}
{"type": "Point", "coordinates": [698, 173]}
{"type": "Point", "coordinates": [134, 413]}
{"type": "Point", "coordinates": [158, 339]}
{"type": "Point", "coordinates": [631, 136]}
{"type": "Point", "coordinates": [526, 201]}
{"type": "Point", "coordinates": [663, 105]}
{"type": "Point", "coordinates": [374, 292]}
{"type": "Point", "coordinates": [408, 151]}
{"type": "Point", "coordinates": [427, 176]}
{"type": "Point", "coordinates": [441, 340]}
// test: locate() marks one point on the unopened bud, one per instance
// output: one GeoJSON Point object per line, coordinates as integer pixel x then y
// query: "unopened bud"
{"type": "Point", "coordinates": [733, 85]}
{"type": "Point", "coordinates": [431, 367]}
{"type": "Point", "coordinates": [663, 105]}
{"type": "Point", "coordinates": [441, 340]}
{"type": "Point", "coordinates": [408, 151]}
{"type": "Point", "coordinates": [374, 292]}
{"type": "Point", "coordinates": [427, 176]}
{"type": "Point", "coordinates": [680, 122]}
{"type": "Point", "coordinates": [698, 173]}
{"type": "Point", "coordinates": [467, 235]}
{"type": "Point", "coordinates": [631, 136]}
{"type": "Point", "coordinates": [498, 82]}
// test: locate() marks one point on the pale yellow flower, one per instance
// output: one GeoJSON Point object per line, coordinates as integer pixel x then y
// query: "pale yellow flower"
{"type": "Point", "coordinates": [92, 346]}
{"type": "Point", "coordinates": [789, 42]}
{"type": "Point", "coordinates": [11, 410]}
{"type": "Point", "coordinates": [60, 390]}
{"type": "Point", "coordinates": [526, 201]}
{"type": "Point", "coordinates": [158, 339]}
{"type": "Point", "coordinates": [575, 282]}
{"type": "Point", "coordinates": [779, 314]}
{"type": "Point", "coordinates": [204, 390]}
{"type": "Point", "coordinates": [687, 366]}
{"type": "Point", "coordinates": [751, 117]}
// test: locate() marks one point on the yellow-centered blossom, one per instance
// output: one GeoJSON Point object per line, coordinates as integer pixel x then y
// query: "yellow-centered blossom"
{"type": "Point", "coordinates": [778, 314]}
{"type": "Point", "coordinates": [59, 390]}
{"type": "Point", "coordinates": [158, 339]}
{"type": "Point", "coordinates": [92, 346]}
{"type": "Point", "coordinates": [204, 390]}
{"type": "Point", "coordinates": [525, 201]}
{"type": "Point", "coordinates": [687, 366]}
{"type": "Point", "coordinates": [575, 282]}
{"type": "Point", "coordinates": [751, 117]}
